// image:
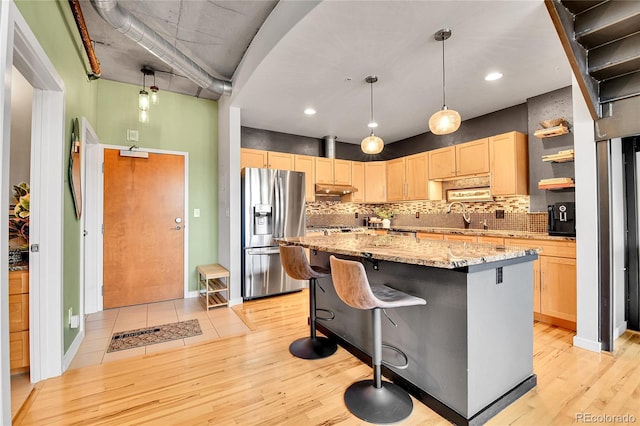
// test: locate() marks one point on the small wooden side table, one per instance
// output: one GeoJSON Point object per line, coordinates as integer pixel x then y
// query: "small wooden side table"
{"type": "Point", "coordinates": [213, 285]}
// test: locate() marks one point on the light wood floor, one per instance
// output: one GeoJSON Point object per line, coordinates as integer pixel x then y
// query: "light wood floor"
{"type": "Point", "coordinates": [253, 380]}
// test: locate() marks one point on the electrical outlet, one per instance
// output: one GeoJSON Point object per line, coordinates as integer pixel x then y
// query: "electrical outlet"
{"type": "Point", "coordinates": [356, 215]}
{"type": "Point", "coordinates": [417, 215]}
{"type": "Point", "coordinates": [499, 214]}
{"type": "Point", "coordinates": [70, 315]}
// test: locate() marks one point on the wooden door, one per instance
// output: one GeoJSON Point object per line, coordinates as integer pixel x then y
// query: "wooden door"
{"type": "Point", "coordinates": [442, 163]}
{"type": "Point", "coordinates": [342, 172]}
{"type": "Point", "coordinates": [375, 182]}
{"type": "Point", "coordinates": [357, 180]}
{"type": "Point", "coordinates": [253, 158]}
{"type": "Point", "coordinates": [143, 242]}
{"type": "Point", "coordinates": [395, 180]}
{"type": "Point", "coordinates": [558, 293]}
{"type": "Point", "coordinates": [280, 160]}
{"type": "Point", "coordinates": [417, 177]}
{"type": "Point", "coordinates": [324, 170]}
{"type": "Point", "coordinates": [472, 158]}
{"type": "Point", "coordinates": [307, 165]}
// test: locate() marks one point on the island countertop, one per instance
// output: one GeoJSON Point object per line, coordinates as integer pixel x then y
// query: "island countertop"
{"type": "Point", "coordinates": [401, 249]}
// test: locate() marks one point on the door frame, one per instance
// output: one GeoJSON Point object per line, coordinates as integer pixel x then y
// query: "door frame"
{"type": "Point", "coordinates": [21, 49]}
{"type": "Point", "coordinates": [93, 289]}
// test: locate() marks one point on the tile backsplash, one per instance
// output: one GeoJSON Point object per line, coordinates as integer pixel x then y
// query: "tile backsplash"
{"type": "Point", "coordinates": [433, 213]}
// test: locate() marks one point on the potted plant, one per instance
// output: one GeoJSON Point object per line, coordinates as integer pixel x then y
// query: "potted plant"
{"type": "Point", "coordinates": [19, 219]}
{"type": "Point", "coordinates": [385, 215]}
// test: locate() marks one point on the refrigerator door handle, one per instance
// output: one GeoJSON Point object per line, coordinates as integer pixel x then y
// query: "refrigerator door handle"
{"type": "Point", "coordinates": [267, 251]}
{"type": "Point", "coordinates": [277, 229]}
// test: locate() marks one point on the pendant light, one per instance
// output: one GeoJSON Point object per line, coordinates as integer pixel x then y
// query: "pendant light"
{"type": "Point", "coordinates": [372, 144]}
{"type": "Point", "coordinates": [143, 99]}
{"type": "Point", "coordinates": [446, 120]}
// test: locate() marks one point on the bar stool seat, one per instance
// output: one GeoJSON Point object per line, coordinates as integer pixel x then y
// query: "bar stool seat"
{"type": "Point", "coordinates": [374, 401]}
{"type": "Point", "coordinates": [295, 263]}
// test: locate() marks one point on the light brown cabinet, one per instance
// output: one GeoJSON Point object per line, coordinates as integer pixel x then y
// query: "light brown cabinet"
{"type": "Point", "coordinates": [357, 180]}
{"type": "Point", "coordinates": [509, 163]}
{"type": "Point", "coordinates": [266, 159]}
{"type": "Point", "coordinates": [18, 320]}
{"type": "Point", "coordinates": [429, 236]}
{"type": "Point", "coordinates": [461, 160]}
{"type": "Point", "coordinates": [333, 171]}
{"type": "Point", "coordinates": [554, 281]}
{"type": "Point", "coordinates": [375, 182]}
{"type": "Point", "coordinates": [462, 238]}
{"type": "Point", "coordinates": [490, 240]}
{"type": "Point", "coordinates": [307, 165]}
{"type": "Point", "coordinates": [408, 178]}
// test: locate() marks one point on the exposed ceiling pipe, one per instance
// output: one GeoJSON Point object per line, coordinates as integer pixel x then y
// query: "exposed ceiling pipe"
{"type": "Point", "coordinates": [86, 40]}
{"type": "Point", "coordinates": [123, 21]}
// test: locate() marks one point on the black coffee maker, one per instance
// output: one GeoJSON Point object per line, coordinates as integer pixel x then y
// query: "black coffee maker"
{"type": "Point", "coordinates": [562, 219]}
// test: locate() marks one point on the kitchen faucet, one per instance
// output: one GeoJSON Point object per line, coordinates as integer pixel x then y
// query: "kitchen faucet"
{"type": "Point", "coordinates": [465, 214]}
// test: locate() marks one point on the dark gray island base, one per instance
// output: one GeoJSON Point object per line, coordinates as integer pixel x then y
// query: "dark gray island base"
{"type": "Point", "coordinates": [470, 349]}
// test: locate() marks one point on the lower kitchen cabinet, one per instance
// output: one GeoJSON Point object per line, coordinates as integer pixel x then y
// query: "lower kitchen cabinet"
{"type": "Point", "coordinates": [554, 281]}
{"type": "Point", "coordinates": [463, 238]}
{"type": "Point", "coordinates": [18, 321]}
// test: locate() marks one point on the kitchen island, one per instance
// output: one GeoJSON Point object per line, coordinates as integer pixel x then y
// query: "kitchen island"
{"type": "Point", "coordinates": [470, 349]}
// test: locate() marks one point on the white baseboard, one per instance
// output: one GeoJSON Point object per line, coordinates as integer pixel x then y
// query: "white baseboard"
{"type": "Point", "coordinates": [589, 345]}
{"type": "Point", "coordinates": [192, 294]}
{"type": "Point", "coordinates": [621, 328]}
{"type": "Point", "coordinates": [73, 350]}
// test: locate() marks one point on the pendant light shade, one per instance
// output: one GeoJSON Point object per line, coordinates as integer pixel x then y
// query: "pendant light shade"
{"type": "Point", "coordinates": [372, 144]}
{"type": "Point", "coordinates": [446, 120]}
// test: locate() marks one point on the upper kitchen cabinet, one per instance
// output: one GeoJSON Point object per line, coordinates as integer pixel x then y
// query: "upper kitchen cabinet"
{"type": "Point", "coordinates": [509, 164]}
{"type": "Point", "coordinates": [357, 181]}
{"type": "Point", "coordinates": [306, 164]}
{"type": "Point", "coordinates": [333, 171]}
{"type": "Point", "coordinates": [375, 182]}
{"type": "Point", "coordinates": [472, 158]}
{"type": "Point", "coordinates": [465, 159]}
{"type": "Point", "coordinates": [265, 159]}
{"type": "Point", "coordinates": [407, 178]}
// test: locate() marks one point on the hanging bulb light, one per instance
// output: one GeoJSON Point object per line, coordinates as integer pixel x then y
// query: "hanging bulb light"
{"type": "Point", "coordinates": [446, 120]}
{"type": "Point", "coordinates": [372, 144]}
{"type": "Point", "coordinates": [155, 98]}
{"type": "Point", "coordinates": [143, 100]}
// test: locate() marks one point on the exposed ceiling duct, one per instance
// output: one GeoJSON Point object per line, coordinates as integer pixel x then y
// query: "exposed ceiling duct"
{"type": "Point", "coordinates": [329, 146]}
{"type": "Point", "coordinates": [123, 21]}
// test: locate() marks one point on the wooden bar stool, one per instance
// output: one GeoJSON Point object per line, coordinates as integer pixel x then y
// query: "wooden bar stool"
{"type": "Point", "coordinates": [295, 263]}
{"type": "Point", "coordinates": [374, 401]}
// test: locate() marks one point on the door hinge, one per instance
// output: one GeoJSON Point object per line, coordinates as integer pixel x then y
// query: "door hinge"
{"type": "Point", "coordinates": [103, 229]}
{"type": "Point", "coordinates": [103, 167]}
{"type": "Point", "coordinates": [102, 290]}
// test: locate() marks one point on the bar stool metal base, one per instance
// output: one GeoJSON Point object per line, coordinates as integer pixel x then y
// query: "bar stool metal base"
{"type": "Point", "coordinates": [313, 348]}
{"type": "Point", "coordinates": [388, 404]}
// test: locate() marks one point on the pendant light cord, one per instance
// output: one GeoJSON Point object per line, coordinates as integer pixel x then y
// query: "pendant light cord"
{"type": "Point", "coordinates": [444, 103]}
{"type": "Point", "coordinates": [371, 121]}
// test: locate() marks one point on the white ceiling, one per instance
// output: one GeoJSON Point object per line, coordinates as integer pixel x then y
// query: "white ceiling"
{"type": "Point", "coordinates": [323, 60]}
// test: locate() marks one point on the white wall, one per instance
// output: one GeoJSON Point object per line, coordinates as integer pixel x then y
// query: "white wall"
{"type": "Point", "coordinates": [20, 156]}
{"type": "Point", "coordinates": [586, 224]}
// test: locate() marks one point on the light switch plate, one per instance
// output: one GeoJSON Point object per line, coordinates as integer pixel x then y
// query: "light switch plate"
{"type": "Point", "coordinates": [132, 135]}
{"type": "Point", "coordinates": [196, 212]}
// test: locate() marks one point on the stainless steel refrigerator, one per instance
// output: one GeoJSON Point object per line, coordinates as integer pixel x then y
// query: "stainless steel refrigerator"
{"type": "Point", "coordinates": [272, 207]}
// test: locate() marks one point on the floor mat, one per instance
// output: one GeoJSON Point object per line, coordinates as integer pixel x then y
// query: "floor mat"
{"type": "Point", "coordinates": [152, 335]}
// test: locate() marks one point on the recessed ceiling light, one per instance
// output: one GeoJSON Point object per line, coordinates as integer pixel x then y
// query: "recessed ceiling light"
{"type": "Point", "coordinates": [493, 76]}
{"type": "Point", "coordinates": [309, 111]}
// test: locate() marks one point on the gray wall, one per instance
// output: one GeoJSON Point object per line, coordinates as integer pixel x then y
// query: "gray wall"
{"type": "Point", "coordinates": [20, 156]}
{"type": "Point", "coordinates": [556, 104]}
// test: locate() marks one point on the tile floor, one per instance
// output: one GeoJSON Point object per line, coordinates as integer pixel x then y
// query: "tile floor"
{"type": "Point", "coordinates": [99, 327]}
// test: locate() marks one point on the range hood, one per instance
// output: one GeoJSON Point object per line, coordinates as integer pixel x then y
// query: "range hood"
{"type": "Point", "coordinates": [328, 190]}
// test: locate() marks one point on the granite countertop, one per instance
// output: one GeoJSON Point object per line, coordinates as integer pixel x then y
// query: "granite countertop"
{"type": "Point", "coordinates": [482, 232]}
{"type": "Point", "coordinates": [439, 254]}
{"type": "Point", "coordinates": [19, 266]}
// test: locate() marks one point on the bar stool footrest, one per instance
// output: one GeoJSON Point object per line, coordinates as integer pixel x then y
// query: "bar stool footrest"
{"type": "Point", "coordinates": [330, 317]}
{"type": "Point", "coordinates": [398, 351]}
{"type": "Point", "coordinates": [388, 404]}
{"type": "Point", "coordinates": [313, 348]}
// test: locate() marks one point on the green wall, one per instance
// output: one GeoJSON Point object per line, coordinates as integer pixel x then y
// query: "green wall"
{"type": "Point", "coordinates": [177, 123]}
{"type": "Point", "coordinates": [53, 25]}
